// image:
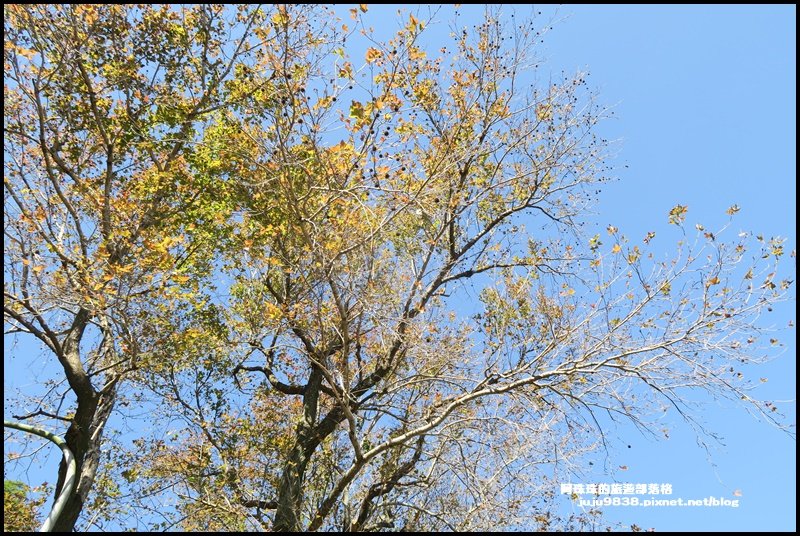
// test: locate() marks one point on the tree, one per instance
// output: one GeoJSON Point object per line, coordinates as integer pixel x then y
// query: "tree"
{"type": "Point", "coordinates": [361, 285]}
{"type": "Point", "coordinates": [102, 104]}
{"type": "Point", "coordinates": [19, 513]}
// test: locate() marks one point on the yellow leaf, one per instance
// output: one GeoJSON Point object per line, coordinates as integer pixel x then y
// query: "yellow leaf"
{"type": "Point", "coordinates": [415, 54]}
{"type": "Point", "coordinates": [616, 248]}
{"type": "Point", "coordinates": [341, 146]}
{"type": "Point", "coordinates": [678, 214]}
{"type": "Point", "coordinates": [356, 110]}
{"type": "Point", "coordinates": [26, 53]}
{"type": "Point", "coordinates": [362, 7]}
{"type": "Point", "coordinates": [281, 16]}
{"type": "Point", "coordinates": [346, 70]}
{"type": "Point", "coordinates": [373, 55]}
{"type": "Point", "coordinates": [544, 112]}
{"type": "Point", "coordinates": [324, 102]}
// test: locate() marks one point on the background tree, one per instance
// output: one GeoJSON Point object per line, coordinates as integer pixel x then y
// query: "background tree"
{"type": "Point", "coordinates": [102, 105]}
{"type": "Point", "coordinates": [391, 318]}
{"type": "Point", "coordinates": [19, 512]}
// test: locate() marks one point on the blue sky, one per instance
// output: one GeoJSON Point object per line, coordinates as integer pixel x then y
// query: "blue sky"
{"type": "Point", "coordinates": [705, 115]}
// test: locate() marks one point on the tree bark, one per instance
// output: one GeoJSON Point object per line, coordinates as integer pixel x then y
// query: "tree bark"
{"type": "Point", "coordinates": [290, 492]}
{"type": "Point", "coordinates": [83, 438]}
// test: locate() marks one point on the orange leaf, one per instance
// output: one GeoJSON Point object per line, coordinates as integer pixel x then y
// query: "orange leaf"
{"type": "Point", "coordinates": [373, 55]}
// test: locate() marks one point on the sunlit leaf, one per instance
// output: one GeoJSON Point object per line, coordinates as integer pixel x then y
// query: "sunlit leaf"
{"type": "Point", "coordinates": [677, 214]}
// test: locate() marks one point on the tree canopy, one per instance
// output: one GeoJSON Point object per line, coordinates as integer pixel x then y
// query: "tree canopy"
{"type": "Point", "coordinates": [339, 280]}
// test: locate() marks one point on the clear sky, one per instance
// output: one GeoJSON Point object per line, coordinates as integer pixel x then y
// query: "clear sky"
{"type": "Point", "coordinates": [705, 107]}
{"type": "Point", "coordinates": [707, 117]}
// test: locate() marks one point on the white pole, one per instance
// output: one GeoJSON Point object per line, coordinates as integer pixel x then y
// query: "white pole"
{"type": "Point", "coordinates": [69, 481]}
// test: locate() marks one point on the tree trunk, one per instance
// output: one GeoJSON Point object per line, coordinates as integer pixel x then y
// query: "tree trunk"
{"type": "Point", "coordinates": [83, 438]}
{"type": "Point", "coordinates": [290, 492]}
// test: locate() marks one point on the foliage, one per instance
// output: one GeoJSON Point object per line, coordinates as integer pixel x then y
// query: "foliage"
{"type": "Point", "coordinates": [100, 201]}
{"type": "Point", "coordinates": [19, 513]}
